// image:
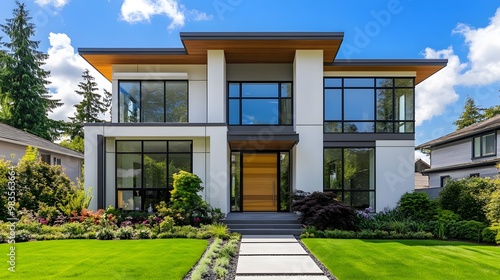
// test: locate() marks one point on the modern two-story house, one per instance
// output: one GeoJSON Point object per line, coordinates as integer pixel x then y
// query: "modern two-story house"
{"type": "Point", "coordinates": [468, 152]}
{"type": "Point", "coordinates": [256, 116]}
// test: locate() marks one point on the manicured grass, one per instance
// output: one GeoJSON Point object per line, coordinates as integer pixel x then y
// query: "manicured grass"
{"type": "Point", "coordinates": [96, 259]}
{"type": "Point", "coordinates": [406, 259]}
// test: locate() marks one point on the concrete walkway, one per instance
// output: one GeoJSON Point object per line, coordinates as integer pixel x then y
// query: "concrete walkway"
{"type": "Point", "coordinates": [275, 257]}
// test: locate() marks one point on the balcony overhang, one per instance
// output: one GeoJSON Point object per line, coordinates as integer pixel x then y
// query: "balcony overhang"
{"type": "Point", "coordinates": [262, 138]}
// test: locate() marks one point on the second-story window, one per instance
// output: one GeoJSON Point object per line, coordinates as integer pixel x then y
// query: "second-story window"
{"type": "Point", "coordinates": [484, 145]}
{"type": "Point", "coordinates": [153, 101]}
{"type": "Point", "coordinates": [369, 105]}
{"type": "Point", "coordinates": [268, 103]}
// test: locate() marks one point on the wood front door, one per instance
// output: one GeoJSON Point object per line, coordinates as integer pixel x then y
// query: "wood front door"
{"type": "Point", "coordinates": [260, 173]}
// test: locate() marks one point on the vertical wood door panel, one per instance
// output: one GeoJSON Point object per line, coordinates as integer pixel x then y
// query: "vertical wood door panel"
{"type": "Point", "coordinates": [260, 172]}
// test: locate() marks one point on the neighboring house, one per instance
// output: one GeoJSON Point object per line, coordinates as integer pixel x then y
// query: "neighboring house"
{"type": "Point", "coordinates": [468, 152]}
{"type": "Point", "coordinates": [13, 144]}
{"type": "Point", "coordinates": [421, 180]}
{"type": "Point", "coordinates": [256, 116]}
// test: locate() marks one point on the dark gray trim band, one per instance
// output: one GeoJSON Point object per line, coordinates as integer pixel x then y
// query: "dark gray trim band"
{"type": "Point", "coordinates": [261, 35]}
{"type": "Point", "coordinates": [155, 124]}
{"type": "Point", "coordinates": [263, 137]}
{"type": "Point", "coordinates": [100, 172]}
{"type": "Point", "coordinates": [461, 166]}
{"type": "Point", "coordinates": [363, 137]}
{"type": "Point", "coordinates": [258, 129]}
{"type": "Point", "coordinates": [349, 144]}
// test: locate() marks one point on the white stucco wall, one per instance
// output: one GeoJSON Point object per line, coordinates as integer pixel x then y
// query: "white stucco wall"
{"type": "Point", "coordinates": [394, 171]}
{"type": "Point", "coordinates": [308, 115]}
{"type": "Point", "coordinates": [216, 84]}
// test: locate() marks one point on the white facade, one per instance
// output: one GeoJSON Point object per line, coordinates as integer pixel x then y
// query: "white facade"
{"type": "Point", "coordinates": [208, 129]}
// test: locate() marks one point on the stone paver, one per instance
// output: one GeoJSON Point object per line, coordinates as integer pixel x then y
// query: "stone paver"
{"type": "Point", "coordinates": [271, 249]}
{"type": "Point", "coordinates": [296, 277]}
{"type": "Point", "coordinates": [268, 239]}
{"type": "Point", "coordinates": [277, 265]}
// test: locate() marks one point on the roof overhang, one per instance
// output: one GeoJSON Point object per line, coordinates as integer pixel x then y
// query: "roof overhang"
{"type": "Point", "coordinates": [239, 47]}
{"type": "Point", "coordinates": [424, 68]}
{"type": "Point", "coordinates": [490, 162]}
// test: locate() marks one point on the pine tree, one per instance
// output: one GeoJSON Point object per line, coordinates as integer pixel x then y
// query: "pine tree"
{"type": "Point", "coordinates": [25, 81]}
{"type": "Point", "coordinates": [107, 99]}
{"type": "Point", "coordinates": [89, 109]}
{"type": "Point", "coordinates": [471, 114]}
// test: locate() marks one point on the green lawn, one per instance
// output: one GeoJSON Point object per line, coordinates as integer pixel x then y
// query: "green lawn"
{"type": "Point", "coordinates": [350, 259]}
{"type": "Point", "coordinates": [96, 259]}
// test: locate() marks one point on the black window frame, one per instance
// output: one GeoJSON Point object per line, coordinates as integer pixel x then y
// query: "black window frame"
{"type": "Point", "coordinates": [142, 190]}
{"type": "Point", "coordinates": [164, 98]}
{"type": "Point", "coordinates": [394, 121]}
{"type": "Point", "coordinates": [474, 175]}
{"type": "Point", "coordinates": [343, 190]}
{"type": "Point", "coordinates": [443, 180]}
{"type": "Point", "coordinates": [241, 98]}
{"type": "Point", "coordinates": [494, 133]}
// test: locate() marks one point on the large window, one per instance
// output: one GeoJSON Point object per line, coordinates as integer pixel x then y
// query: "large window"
{"type": "Point", "coordinates": [484, 145]}
{"type": "Point", "coordinates": [369, 105]}
{"type": "Point", "coordinates": [144, 171]}
{"type": "Point", "coordinates": [153, 101]}
{"type": "Point", "coordinates": [260, 103]}
{"type": "Point", "coordinates": [350, 174]}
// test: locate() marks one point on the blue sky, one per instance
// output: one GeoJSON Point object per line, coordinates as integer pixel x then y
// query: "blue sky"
{"type": "Point", "coordinates": [464, 32]}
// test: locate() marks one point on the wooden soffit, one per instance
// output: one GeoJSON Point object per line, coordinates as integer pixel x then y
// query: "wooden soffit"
{"type": "Point", "coordinates": [266, 47]}
{"type": "Point", "coordinates": [424, 68]}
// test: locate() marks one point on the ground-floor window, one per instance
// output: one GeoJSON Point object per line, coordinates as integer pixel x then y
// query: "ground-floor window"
{"type": "Point", "coordinates": [350, 174]}
{"type": "Point", "coordinates": [144, 171]}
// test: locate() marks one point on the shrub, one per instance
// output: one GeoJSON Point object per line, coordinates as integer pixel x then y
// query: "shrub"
{"type": "Point", "coordinates": [74, 230]}
{"type": "Point", "coordinates": [465, 230]}
{"type": "Point", "coordinates": [167, 225]}
{"type": "Point", "coordinates": [467, 197]}
{"type": "Point", "coordinates": [323, 211]}
{"type": "Point", "coordinates": [125, 233]}
{"type": "Point", "coordinates": [417, 206]}
{"type": "Point", "coordinates": [22, 236]}
{"type": "Point", "coordinates": [76, 201]}
{"type": "Point", "coordinates": [144, 233]}
{"type": "Point", "coordinates": [492, 207]}
{"type": "Point", "coordinates": [489, 234]}
{"type": "Point", "coordinates": [185, 193]}
{"type": "Point", "coordinates": [446, 216]}
{"type": "Point", "coordinates": [48, 213]}
{"type": "Point", "coordinates": [105, 233]}
{"type": "Point", "coordinates": [218, 230]}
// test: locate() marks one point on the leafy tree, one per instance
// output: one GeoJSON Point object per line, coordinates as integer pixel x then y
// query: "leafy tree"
{"type": "Point", "coordinates": [492, 111]}
{"type": "Point", "coordinates": [75, 144]}
{"type": "Point", "coordinates": [89, 109]}
{"type": "Point", "coordinates": [471, 114]}
{"type": "Point", "coordinates": [25, 81]}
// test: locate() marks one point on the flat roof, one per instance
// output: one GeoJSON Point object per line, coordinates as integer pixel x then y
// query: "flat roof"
{"type": "Point", "coordinates": [254, 47]}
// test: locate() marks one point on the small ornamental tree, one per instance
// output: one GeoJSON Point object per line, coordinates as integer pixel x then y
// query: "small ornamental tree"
{"type": "Point", "coordinates": [185, 195]}
{"type": "Point", "coordinates": [417, 206]}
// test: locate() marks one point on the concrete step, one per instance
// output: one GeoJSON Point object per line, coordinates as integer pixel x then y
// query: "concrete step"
{"type": "Point", "coordinates": [261, 221]}
{"type": "Point", "coordinates": [267, 231]}
{"type": "Point", "coordinates": [264, 226]}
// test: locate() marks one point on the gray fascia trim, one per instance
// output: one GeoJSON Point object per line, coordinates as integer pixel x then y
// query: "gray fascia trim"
{"type": "Point", "coordinates": [363, 137]}
{"type": "Point", "coordinates": [260, 129]}
{"type": "Point", "coordinates": [387, 62]}
{"type": "Point", "coordinates": [107, 124]}
{"type": "Point", "coordinates": [368, 144]}
{"type": "Point", "coordinates": [261, 35]}
{"type": "Point", "coordinates": [267, 138]}
{"type": "Point", "coordinates": [460, 167]}
{"type": "Point", "coordinates": [139, 51]}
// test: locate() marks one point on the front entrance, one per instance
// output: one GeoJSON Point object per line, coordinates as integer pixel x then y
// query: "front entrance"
{"type": "Point", "coordinates": [260, 176]}
{"type": "Point", "coordinates": [260, 181]}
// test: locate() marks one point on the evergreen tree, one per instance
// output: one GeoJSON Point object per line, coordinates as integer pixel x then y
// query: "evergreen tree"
{"type": "Point", "coordinates": [107, 99]}
{"type": "Point", "coordinates": [25, 81]}
{"type": "Point", "coordinates": [471, 114]}
{"type": "Point", "coordinates": [89, 109]}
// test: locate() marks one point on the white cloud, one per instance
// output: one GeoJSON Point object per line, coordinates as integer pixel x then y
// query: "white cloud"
{"type": "Point", "coordinates": [55, 3]}
{"type": "Point", "coordinates": [435, 93]}
{"type": "Point", "coordinates": [481, 69]}
{"type": "Point", "coordinates": [484, 52]}
{"type": "Point", "coordinates": [135, 11]}
{"type": "Point", "coordinates": [66, 69]}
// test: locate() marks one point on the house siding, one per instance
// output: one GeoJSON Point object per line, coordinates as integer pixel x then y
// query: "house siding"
{"type": "Point", "coordinates": [451, 154]}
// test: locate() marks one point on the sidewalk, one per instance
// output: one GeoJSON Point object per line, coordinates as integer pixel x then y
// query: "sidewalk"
{"type": "Point", "coordinates": [277, 257]}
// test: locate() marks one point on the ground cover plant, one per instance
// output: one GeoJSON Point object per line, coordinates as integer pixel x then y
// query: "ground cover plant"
{"type": "Point", "coordinates": [406, 259]}
{"type": "Point", "coordinates": [114, 259]}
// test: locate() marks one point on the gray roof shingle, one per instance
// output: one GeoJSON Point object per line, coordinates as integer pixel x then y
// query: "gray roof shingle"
{"type": "Point", "coordinates": [484, 126]}
{"type": "Point", "coordinates": [9, 134]}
